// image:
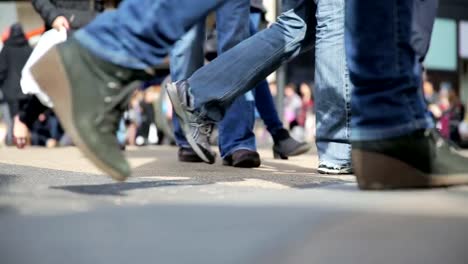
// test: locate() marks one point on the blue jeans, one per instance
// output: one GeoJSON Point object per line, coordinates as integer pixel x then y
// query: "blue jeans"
{"type": "Point", "coordinates": [332, 85]}
{"type": "Point", "coordinates": [263, 98]}
{"type": "Point", "coordinates": [294, 32]}
{"type": "Point", "coordinates": [253, 59]}
{"type": "Point", "coordinates": [236, 128]}
{"type": "Point", "coordinates": [385, 104]}
{"type": "Point", "coordinates": [140, 33]}
{"type": "Point", "coordinates": [387, 101]}
{"type": "Point", "coordinates": [217, 85]}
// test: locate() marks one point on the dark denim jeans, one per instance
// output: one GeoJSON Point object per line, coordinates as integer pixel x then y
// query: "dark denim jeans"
{"type": "Point", "coordinates": [387, 100]}
{"type": "Point", "coordinates": [232, 26]}
{"type": "Point", "coordinates": [262, 94]}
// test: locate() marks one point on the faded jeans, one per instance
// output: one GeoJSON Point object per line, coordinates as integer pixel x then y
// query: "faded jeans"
{"type": "Point", "coordinates": [309, 24]}
{"type": "Point", "coordinates": [136, 43]}
{"type": "Point", "coordinates": [236, 128]}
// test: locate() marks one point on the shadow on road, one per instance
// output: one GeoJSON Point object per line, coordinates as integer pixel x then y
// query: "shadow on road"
{"type": "Point", "coordinates": [118, 189]}
{"type": "Point", "coordinates": [289, 175]}
{"type": "Point", "coordinates": [7, 179]}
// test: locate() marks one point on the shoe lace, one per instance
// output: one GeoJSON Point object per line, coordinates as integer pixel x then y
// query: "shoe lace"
{"type": "Point", "coordinates": [204, 127]}
{"type": "Point", "coordinates": [108, 120]}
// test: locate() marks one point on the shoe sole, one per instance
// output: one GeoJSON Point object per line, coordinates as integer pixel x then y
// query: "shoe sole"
{"type": "Point", "coordinates": [375, 171]}
{"type": "Point", "coordinates": [247, 163]}
{"type": "Point", "coordinates": [191, 159]}
{"type": "Point", "coordinates": [177, 105]}
{"type": "Point", "coordinates": [250, 161]}
{"type": "Point", "coordinates": [299, 151]}
{"type": "Point", "coordinates": [335, 172]}
{"type": "Point", "coordinates": [58, 88]}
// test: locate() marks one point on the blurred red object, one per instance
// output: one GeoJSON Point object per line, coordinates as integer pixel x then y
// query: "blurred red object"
{"type": "Point", "coordinates": [5, 34]}
{"type": "Point", "coordinates": [30, 34]}
{"type": "Point", "coordinates": [35, 32]}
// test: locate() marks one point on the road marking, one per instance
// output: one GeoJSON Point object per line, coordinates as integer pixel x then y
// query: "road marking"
{"type": "Point", "coordinates": [164, 178]}
{"type": "Point", "coordinates": [256, 183]}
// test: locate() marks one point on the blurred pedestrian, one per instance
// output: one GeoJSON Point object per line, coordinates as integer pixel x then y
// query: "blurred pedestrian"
{"type": "Point", "coordinates": [292, 105]}
{"type": "Point", "coordinates": [70, 15]}
{"type": "Point", "coordinates": [13, 57]}
{"type": "Point", "coordinates": [46, 130]}
{"type": "Point", "coordinates": [307, 105]}
{"type": "Point", "coordinates": [453, 113]}
{"type": "Point", "coordinates": [57, 14]}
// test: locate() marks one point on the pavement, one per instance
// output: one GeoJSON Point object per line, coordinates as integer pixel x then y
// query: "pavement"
{"type": "Point", "coordinates": [55, 207]}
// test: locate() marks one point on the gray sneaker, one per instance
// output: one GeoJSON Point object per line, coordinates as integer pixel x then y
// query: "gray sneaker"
{"type": "Point", "coordinates": [196, 131]}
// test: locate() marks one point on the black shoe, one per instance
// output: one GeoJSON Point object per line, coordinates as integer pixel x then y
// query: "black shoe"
{"type": "Point", "coordinates": [89, 96]}
{"type": "Point", "coordinates": [188, 155]}
{"type": "Point", "coordinates": [197, 132]}
{"type": "Point", "coordinates": [243, 158]}
{"type": "Point", "coordinates": [335, 170]}
{"type": "Point", "coordinates": [422, 159]}
{"type": "Point", "coordinates": [285, 146]}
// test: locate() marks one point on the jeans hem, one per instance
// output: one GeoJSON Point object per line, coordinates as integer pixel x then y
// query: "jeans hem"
{"type": "Point", "coordinates": [327, 150]}
{"type": "Point", "coordinates": [331, 163]}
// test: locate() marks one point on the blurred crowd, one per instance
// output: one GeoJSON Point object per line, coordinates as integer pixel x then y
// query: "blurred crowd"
{"type": "Point", "coordinates": [148, 119]}
{"type": "Point", "coordinates": [448, 111]}
{"type": "Point", "coordinates": [24, 121]}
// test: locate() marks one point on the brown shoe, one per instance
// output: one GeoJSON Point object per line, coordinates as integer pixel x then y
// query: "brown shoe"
{"type": "Point", "coordinates": [188, 155]}
{"type": "Point", "coordinates": [243, 158]}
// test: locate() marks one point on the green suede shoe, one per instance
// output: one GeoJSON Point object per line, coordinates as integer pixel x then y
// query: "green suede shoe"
{"type": "Point", "coordinates": [89, 96]}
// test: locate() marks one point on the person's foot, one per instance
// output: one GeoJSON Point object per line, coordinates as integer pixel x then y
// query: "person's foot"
{"type": "Point", "coordinates": [334, 169]}
{"type": "Point", "coordinates": [285, 146]}
{"type": "Point", "coordinates": [197, 132]}
{"type": "Point", "coordinates": [188, 155]}
{"type": "Point", "coordinates": [89, 97]}
{"type": "Point", "coordinates": [243, 158]}
{"type": "Point", "coordinates": [422, 159]}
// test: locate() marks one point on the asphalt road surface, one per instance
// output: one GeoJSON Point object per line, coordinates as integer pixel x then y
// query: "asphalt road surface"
{"type": "Point", "coordinates": [57, 208]}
